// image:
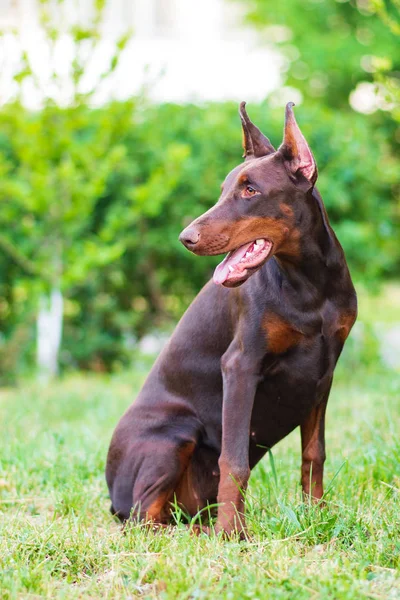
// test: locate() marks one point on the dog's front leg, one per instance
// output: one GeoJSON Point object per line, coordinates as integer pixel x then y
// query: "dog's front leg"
{"type": "Point", "coordinates": [240, 379]}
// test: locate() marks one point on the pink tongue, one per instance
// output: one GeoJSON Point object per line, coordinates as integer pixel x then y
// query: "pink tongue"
{"type": "Point", "coordinates": [222, 271]}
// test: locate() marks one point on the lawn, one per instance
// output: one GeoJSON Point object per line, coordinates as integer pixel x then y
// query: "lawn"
{"type": "Point", "coordinates": [58, 540]}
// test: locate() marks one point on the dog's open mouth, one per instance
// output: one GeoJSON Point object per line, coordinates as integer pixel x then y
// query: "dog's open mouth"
{"type": "Point", "coordinates": [236, 265]}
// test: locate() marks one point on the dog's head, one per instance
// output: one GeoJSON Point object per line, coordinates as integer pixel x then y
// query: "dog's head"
{"type": "Point", "coordinates": [260, 207]}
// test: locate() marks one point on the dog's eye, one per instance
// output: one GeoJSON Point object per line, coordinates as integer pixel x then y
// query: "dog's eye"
{"type": "Point", "coordinates": [249, 191]}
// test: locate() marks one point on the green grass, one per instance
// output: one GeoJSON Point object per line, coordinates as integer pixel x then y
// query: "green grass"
{"type": "Point", "coordinates": [58, 540]}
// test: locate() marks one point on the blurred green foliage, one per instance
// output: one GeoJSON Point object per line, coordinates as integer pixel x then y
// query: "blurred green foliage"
{"type": "Point", "coordinates": [330, 45]}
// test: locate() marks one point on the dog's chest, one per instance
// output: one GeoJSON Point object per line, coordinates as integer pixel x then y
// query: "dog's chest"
{"type": "Point", "coordinates": [323, 329]}
{"type": "Point", "coordinates": [279, 333]}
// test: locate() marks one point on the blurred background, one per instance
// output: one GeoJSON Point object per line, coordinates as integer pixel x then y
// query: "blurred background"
{"type": "Point", "coordinates": [118, 122]}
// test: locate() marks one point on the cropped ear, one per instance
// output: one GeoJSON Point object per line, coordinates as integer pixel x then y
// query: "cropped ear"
{"type": "Point", "coordinates": [255, 144]}
{"type": "Point", "coordinates": [295, 150]}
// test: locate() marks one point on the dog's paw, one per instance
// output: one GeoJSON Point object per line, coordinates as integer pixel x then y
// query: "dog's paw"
{"type": "Point", "coordinates": [231, 531]}
{"type": "Point", "coordinates": [196, 529]}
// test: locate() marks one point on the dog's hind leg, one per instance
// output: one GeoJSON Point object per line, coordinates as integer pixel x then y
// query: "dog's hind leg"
{"type": "Point", "coordinates": [145, 481]}
{"type": "Point", "coordinates": [197, 490]}
{"type": "Point", "coordinates": [149, 453]}
{"type": "Point", "coordinates": [158, 479]}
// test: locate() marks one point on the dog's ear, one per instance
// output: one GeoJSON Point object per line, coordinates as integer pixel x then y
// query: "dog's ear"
{"type": "Point", "coordinates": [255, 143]}
{"type": "Point", "coordinates": [297, 155]}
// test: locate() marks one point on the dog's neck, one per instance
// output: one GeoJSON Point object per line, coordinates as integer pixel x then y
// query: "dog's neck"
{"type": "Point", "coordinates": [321, 266]}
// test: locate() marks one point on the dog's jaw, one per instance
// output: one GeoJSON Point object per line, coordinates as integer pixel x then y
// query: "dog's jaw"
{"type": "Point", "coordinates": [239, 264]}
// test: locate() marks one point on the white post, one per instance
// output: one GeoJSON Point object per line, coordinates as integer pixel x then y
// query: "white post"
{"type": "Point", "coordinates": [49, 332]}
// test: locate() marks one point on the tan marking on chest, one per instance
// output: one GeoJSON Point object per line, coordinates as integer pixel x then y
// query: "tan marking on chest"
{"type": "Point", "coordinates": [345, 323]}
{"type": "Point", "coordinates": [280, 334]}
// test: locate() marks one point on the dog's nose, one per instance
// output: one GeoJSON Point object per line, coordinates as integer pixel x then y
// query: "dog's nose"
{"type": "Point", "coordinates": [189, 237]}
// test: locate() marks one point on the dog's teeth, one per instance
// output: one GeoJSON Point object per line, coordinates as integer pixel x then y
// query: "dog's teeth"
{"type": "Point", "coordinates": [259, 242]}
{"type": "Point", "coordinates": [248, 254]}
{"type": "Point", "coordinates": [231, 268]}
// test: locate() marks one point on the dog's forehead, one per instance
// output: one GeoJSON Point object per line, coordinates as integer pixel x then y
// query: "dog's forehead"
{"type": "Point", "coordinates": [266, 166]}
{"type": "Point", "coordinates": [233, 175]}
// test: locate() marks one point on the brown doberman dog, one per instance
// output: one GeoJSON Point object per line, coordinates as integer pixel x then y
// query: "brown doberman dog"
{"type": "Point", "coordinates": [249, 363]}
